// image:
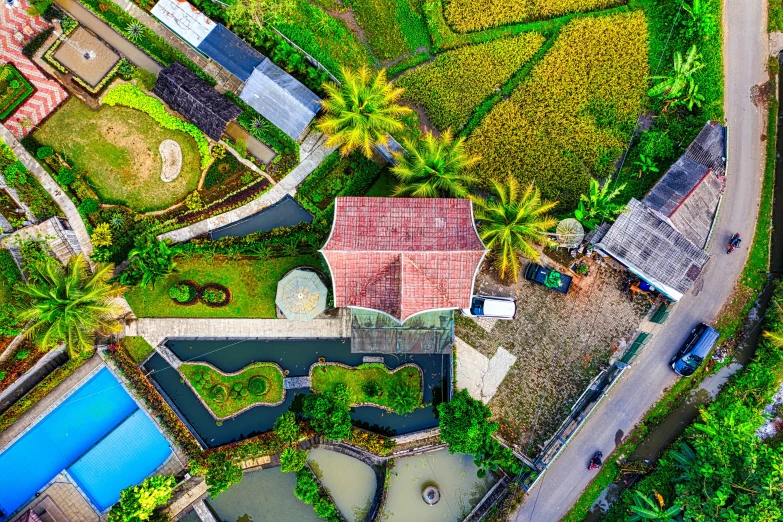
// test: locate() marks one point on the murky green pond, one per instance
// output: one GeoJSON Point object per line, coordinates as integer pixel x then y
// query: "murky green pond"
{"type": "Point", "coordinates": [455, 477]}
{"type": "Point", "coordinates": [266, 495]}
{"type": "Point", "coordinates": [350, 482]}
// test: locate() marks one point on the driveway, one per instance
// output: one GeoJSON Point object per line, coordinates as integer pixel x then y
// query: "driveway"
{"type": "Point", "coordinates": [745, 55]}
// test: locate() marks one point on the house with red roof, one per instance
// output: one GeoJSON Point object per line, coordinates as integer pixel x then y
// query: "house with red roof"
{"type": "Point", "coordinates": [403, 256]}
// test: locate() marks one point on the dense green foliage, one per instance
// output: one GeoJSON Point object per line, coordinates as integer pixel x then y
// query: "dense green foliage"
{"type": "Point", "coordinates": [329, 412]}
{"type": "Point", "coordinates": [27, 187]}
{"type": "Point", "coordinates": [221, 472]}
{"type": "Point", "coordinates": [150, 260]}
{"type": "Point", "coordinates": [308, 491]}
{"type": "Point", "coordinates": [292, 460]}
{"type": "Point", "coordinates": [69, 304]}
{"type": "Point", "coordinates": [286, 428]}
{"type": "Point", "coordinates": [393, 27]}
{"type": "Point", "coordinates": [128, 95]}
{"type": "Point", "coordinates": [451, 86]}
{"type": "Point", "coordinates": [137, 503]}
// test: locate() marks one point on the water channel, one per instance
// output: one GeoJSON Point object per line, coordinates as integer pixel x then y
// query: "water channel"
{"type": "Point", "coordinates": [296, 356]}
{"type": "Point", "coordinates": [665, 433]}
{"type": "Point", "coordinates": [285, 213]}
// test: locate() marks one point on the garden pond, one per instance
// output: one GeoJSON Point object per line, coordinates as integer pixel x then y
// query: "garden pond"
{"type": "Point", "coordinates": [296, 356]}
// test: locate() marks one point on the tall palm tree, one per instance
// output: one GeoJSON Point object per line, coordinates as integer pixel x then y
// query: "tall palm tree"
{"type": "Point", "coordinates": [513, 222]}
{"type": "Point", "coordinates": [361, 112]}
{"type": "Point", "coordinates": [70, 304]}
{"type": "Point", "coordinates": [433, 167]}
{"type": "Point", "coordinates": [674, 86]}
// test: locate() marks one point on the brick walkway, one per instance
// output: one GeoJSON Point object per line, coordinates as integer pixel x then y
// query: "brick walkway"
{"type": "Point", "coordinates": [49, 94]}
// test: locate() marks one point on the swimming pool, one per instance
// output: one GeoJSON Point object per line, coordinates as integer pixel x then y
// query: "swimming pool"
{"type": "Point", "coordinates": [98, 435]}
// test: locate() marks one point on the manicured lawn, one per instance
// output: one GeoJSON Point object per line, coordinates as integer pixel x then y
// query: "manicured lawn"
{"type": "Point", "coordinates": [237, 392]}
{"type": "Point", "coordinates": [253, 285]}
{"type": "Point", "coordinates": [137, 347]}
{"type": "Point", "coordinates": [116, 150]}
{"type": "Point", "coordinates": [325, 376]}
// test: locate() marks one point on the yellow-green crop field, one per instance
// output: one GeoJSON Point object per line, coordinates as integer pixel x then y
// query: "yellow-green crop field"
{"type": "Point", "coordinates": [474, 15]}
{"type": "Point", "coordinates": [450, 87]}
{"type": "Point", "coordinates": [572, 117]}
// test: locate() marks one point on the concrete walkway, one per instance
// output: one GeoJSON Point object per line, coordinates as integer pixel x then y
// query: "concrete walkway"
{"type": "Point", "coordinates": [157, 330]}
{"type": "Point", "coordinates": [54, 190]}
{"type": "Point", "coordinates": [312, 156]}
{"type": "Point", "coordinates": [745, 58]}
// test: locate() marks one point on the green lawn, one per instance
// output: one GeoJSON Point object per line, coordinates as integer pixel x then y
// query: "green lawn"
{"type": "Point", "coordinates": [237, 392]}
{"type": "Point", "coordinates": [116, 150]}
{"type": "Point", "coordinates": [137, 347]}
{"type": "Point", "coordinates": [253, 285]}
{"type": "Point", "coordinates": [325, 376]}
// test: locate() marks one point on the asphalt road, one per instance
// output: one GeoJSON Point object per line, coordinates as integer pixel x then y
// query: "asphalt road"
{"type": "Point", "coordinates": [745, 56]}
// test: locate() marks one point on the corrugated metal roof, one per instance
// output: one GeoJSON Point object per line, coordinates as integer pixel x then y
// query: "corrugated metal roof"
{"type": "Point", "coordinates": [231, 52]}
{"type": "Point", "coordinates": [281, 98]}
{"type": "Point", "coordinates": [646, 242]}
{"type": "Point", "coordinates": [186, 21]}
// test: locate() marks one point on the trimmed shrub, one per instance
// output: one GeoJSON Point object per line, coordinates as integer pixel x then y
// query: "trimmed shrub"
{"type": "Point", "coordinates": [258, 386]}
{"type": "Point", "coordinates": [66, 176]}
{"type": "Point", "coordinates": [44, 152]}
{"type": "Point", "coordinates": [88, 206]}
{"type": "Point", "coordinates": [218, 393]}
{"type": "Point", "coordinates": [371, 389]}
{"type": "Point", "coordinates": [182, 293]}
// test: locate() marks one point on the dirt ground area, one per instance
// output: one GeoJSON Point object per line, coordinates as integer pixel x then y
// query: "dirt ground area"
{"type": "Point", "coordinates": [560, 342]}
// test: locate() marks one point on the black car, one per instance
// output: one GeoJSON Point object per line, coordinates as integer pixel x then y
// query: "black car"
{"type": "Point", "coordinates": [694, 350]}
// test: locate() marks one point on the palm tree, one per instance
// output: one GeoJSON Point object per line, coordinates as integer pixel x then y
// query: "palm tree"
{"type": "Point", "coordinates": [674, 86]}
{"type": "Point", "coordinates": [597, 205]}
{"type": "Point", "coordinates": [361, 112]}
{"type": "Point", "coordinates": [432, 167]}
{"type": "Point", "coordinates": [645, 508]}
{"type": "Point", "coordinates": [514, 221]}
{"type": "Point", "coordinates": [70, 304]}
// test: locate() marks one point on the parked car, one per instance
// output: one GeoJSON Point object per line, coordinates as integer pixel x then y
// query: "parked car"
{"type": "Point", "coordinates": [547, 277]}
{"type": "Point", "coordinates": [494, 307]}
{"type": "Point", "coordinates": [694, 350]}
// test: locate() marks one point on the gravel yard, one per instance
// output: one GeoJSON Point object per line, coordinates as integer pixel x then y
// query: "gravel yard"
{"type": "Point", "coordinates": [559, 341]}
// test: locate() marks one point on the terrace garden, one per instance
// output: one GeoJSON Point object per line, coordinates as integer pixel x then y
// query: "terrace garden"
{"type": "Point", "coordinates": [399, 390]}
{"type": "Point", "coordinates": [14, 89]}
{"type": "Point", "coordinates": [228, 394]}
{"type": "Point", "coordinates": [114, 150]}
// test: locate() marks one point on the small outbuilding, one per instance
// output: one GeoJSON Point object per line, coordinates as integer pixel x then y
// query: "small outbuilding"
{"type": "Point", "coordinates": [195, 99]}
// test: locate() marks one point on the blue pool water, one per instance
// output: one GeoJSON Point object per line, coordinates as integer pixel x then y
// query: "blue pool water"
{"type": "Point", "coordinates": [99, 421]}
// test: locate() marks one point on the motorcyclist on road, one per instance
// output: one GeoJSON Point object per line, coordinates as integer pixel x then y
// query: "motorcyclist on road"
{"type": "Point", "coordinates": [736, 240]}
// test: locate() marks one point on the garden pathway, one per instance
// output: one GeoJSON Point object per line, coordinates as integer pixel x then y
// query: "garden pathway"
{"type": "Point", "coordinates": [49, 94]}
{"type": "Point", "coordinates": [157, 330]}
{"type": "Point", "coordinates": [312, 153]}
{"type": "Point", "coordinates": [745, 58]}
{"type": "Point", "coordinates": [51, 186]}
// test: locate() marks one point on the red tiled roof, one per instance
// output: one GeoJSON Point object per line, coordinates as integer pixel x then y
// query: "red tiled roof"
{"type": "Point", "coordinates": [403, 256]}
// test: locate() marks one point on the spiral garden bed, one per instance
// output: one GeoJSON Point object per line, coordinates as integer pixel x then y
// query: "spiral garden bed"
{"type": "Point", "coordinates": [178, 291]}
{"type": "Point", "coordinates": [228, 394]}
{"type": "Point", "coordinates": [215, 295]}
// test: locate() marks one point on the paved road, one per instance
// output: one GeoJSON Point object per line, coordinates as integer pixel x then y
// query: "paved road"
{"type": "Point", "coordinates": [745, 54]}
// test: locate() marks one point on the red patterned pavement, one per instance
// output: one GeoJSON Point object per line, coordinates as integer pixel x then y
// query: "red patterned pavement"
{"type": "Point", "coordinates": [49, 94]}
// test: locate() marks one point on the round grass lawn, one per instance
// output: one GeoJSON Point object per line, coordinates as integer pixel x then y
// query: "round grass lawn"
{"type": "Point", "coordinates": [116, 151]}
{"type": "Point", "coordinates": [225, 395]}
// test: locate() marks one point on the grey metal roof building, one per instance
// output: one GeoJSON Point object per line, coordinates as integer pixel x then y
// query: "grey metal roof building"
{"type": "Point", "coordinates": [231, 52]}
{"type": "Point", "coordinates": [649, 246]}
{"type": "Point", "coordinates": [689, 192]}
{"type": "Point", "coordinates": [195, 99]}
{"type": "Point", "coordinates": [281, 98]}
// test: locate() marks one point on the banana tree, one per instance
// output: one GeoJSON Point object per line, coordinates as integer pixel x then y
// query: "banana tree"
{"type": "Point", "coordinates": [645, 508]}
{"type": "Point", "coordinates": [674, 86]}
{"type": "Point", "coordinates": [598, 204]}
{"type": "Point", "coordinates": [646, 165]}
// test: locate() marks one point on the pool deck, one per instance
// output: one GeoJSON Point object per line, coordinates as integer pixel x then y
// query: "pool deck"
{"type": "Point", "coordinates": [156, 330]}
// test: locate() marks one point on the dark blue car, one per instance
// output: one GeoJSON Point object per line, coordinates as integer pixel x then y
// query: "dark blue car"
{"type": "Point", "coordinates": [695, 349]}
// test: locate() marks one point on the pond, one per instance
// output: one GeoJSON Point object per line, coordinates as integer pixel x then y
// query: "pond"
{"type": "Point", "coordinates": [453, 475]}
{"type": "Point", "coordinates": [285, 213]}
{"type": "Point", "coordinates": [265, 495]}
{"type": "Point", "coordinates": [296, 356]}
{"type": "Point", "coordinates": [350, 482]}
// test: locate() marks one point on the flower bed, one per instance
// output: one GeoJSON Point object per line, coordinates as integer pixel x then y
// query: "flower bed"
{"type": "Point", "coordinates": [215, 295]}
{"type": "Point", "coordinates": [18, 363]}
{"type": "Point", "coordinates": [228, 394]}
{"type": "Point", "coordinates": [184, 293]}
{"type": "Point", "coordinates": [373, 384]}
{"type": "Point", "coordinates": [129, 95]}
{"type": "Point", "coordinates": [14, 89]}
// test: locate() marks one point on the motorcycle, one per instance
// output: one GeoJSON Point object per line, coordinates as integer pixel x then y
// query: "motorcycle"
{"type": "Point", "coordinates": [734, 242]}
{"type": "Point", "coordinates": [595, 462]}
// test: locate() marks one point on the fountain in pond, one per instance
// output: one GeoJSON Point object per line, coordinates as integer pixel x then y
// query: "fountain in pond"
{"type": "Point", "coordinates": [431, 495]}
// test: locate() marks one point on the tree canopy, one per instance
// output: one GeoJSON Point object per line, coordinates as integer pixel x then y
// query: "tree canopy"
{"type": "Point", "coordinates": [137, 503]}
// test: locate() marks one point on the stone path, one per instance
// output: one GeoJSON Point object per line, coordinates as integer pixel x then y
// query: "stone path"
{"type": "Point", "coordinates": [292, 383]}
{"type": "Point", "coordinates": [312, 156]}
{"type": "Point", "coordinates": [51, 186]}
{"type": "Point", "coordinates": [157, 330]}
{"type": "Point", "coordinates": [67, 499]}
{"type": "Point", "coordinates": [477, 373]}
{"type": "Point", "coordinates": [49, 94]}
